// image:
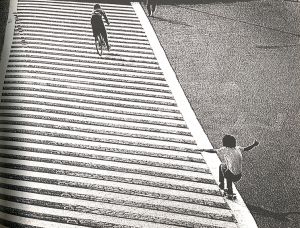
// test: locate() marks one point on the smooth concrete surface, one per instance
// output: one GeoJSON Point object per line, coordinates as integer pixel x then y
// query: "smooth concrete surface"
{"type": "Point", "coordinates": [9, 32]}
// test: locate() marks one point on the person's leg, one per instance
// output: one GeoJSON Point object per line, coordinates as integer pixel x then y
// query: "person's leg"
{"type": "Point", "coordinates": [104, 36]}
{"type": "Point", "coordinates": [221, 176]}
{"type": "Point", "coordinates": [229, 178]}
{"type": "Point", "coordinates": [154, 4]}
{"type": "Point", "coordinates": [153, 8]}
{"type": "Point", "coordinates": [149, 9]}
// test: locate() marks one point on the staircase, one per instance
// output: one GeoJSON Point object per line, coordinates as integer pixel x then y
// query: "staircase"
{"type": "Point", "coordinates": [91, 141]}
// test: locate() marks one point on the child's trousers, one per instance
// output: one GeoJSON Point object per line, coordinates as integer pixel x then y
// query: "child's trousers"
{"type": "Point", "coordinates": [230, 177]}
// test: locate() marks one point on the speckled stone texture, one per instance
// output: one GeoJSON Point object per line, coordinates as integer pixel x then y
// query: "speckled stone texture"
{"type": "Point", "coordinates": [238, 64]}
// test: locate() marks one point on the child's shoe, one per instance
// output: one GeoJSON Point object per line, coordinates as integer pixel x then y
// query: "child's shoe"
{"type": "Point", "coordinates": [221, 186]}
{"type": "Point", "coordinates": [231, 196]}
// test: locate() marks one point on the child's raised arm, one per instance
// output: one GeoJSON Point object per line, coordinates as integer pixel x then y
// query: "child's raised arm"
{"type": "Point", "coordinates": [251, 146]}
{"type": "Point", "coordinates": [208, 150]}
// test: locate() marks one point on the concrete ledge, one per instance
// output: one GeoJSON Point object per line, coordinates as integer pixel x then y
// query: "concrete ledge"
{"type": "Point", "coordinates": [9, 32]}
{"type": "Point", "coordinates": [238, 207]}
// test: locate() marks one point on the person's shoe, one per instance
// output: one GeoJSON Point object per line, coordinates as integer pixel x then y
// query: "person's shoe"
{"type": "Point", "coordinates": [231, 196]}
{"type": "Point", "coordinates": [221, 186]}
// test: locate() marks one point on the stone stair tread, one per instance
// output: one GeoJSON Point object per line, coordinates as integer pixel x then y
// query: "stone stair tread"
{"type": "Point", "coordinates": [133, 56]}
{"type": "Point", "coordinates": [104, 152]}
{"type": "Point", "coordinates": [57, 17]}
{"type": "Point", "coordinates": [72, 99]}
{"type": "Point", "coordinates": [81, 126]}
{"type": "Point", "coordinates": [110, 70]}
{"type": "Point", "coordinates": [93, 220]}
{"type": "Point", "coordinates": [121, 199]}
{"type": "Point", "coordinates": [74, 218]}
{"type": "Point", "coordinates": [79, 32]}
{"type": "Point", "coordinates": [85, 62]}
{"type": "Point", "coordinates": [95, 112]}
{"type": "Point", "coordinates": [63, 25]}
{"type": "Point", "coordinates": [92, 114]}
{"type": "Point", "coordinates": [57, 88]}
{"type": "Point", "coordinates": [105, 208]}
{"type": "Point", "coordinates": [88, 44]}
{"type": "Point", "coordinates": [140, 175]}
{"type": "Point", "coordinates": [85, 180]}
{"type": "Point", "coordinates": [82, 17]}
{"type": "Point", "coordinates": [113, 160]}
{"type": "Point", "coordinates": [18, 221]}
{"type": "Point", "coordinates": [78, 9]}
{"type": "Point", "coordinates": [190, 154]}
{"type": "Point", "coordinates": [142, 159]}
{"type": "Point", "coordinates": [92, 156]}
{"type": "Point", "coordinates": [79, 4]}
{"type": "Point", "coordinates": [94, 137]}
{"type": "Point", "coordinates": [90, 77]}
{"type": "Point", "coordinates": [130, 60]}
{"type": "Point", "coordinates": [85, 126]}
{"type": "Point", "coordinates": [53, 138]}
{"type": "Point", "coordinates": [96, 141]}
{"type": "Point", "coordinates": [89, 81]}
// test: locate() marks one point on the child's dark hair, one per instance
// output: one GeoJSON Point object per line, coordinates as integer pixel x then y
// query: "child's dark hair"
{"type": "Point", "coordinates": [229, 141]}
{"type": "Point", "coordinates": [96, 6]}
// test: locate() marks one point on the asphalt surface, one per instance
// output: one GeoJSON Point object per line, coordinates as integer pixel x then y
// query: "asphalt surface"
{"type": "Point", "coordinates": [238, 63]}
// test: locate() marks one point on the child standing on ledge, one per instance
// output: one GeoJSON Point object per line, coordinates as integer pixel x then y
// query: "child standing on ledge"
{"type": "Point", "coordinates": [231, 159]}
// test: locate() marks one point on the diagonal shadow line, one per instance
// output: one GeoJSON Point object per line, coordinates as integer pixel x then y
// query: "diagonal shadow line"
{"type": "Point", "coordinates": [282, 216]}
{"type": "Point", "coordinates": [172, 21]}
{"type": "Point", "coordinates": [244, 22]}
{"type": "Point", "coordinates": [276, 46]}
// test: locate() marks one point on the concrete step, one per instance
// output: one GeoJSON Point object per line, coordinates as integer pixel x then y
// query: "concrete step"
{"type": "Point", "coordinates": [108, 116]}
{"type": "Point", "coordinates": [82, 17]}
{"type": "Point", "coordinates": [91, 76]}
{"type": "Point", "coordinates": [89, 81]}
{"type": "Point", "coordinates": [81, 27]}
{"type": "Point", "coordinates": [87, 182]}
{"type": "Point", "coordinates": [161, 177]}
{"type": "Point", "coordinates": [181, 163]}
{"type": "Point", "coordinates": [116, 20]}
{"type": "Point", "coordinates": [78, 6]}
{"type": "Point", "coordinates": [92, 63]}
{"type": "Point", "coordinates": [92, 141]}
{"type": "Point", "coordinates": [65, 124]}
{"type": "Point", "coordinates": [120, 199]}
{"type": "Point", "coordinates": [116, 42]}
{"type": "Point", "coordinates": [75, 90]}
{"type": "Point", "coordinates": [82, 24]}
{"type": "Point", "coordinates": [94, 137]}
{"type": "Point", "coordinates": [104, 208]}
{"type": "Point", "coordinates": [108, 154]}
{"type": "Point", "coordinates": [128, 59]}
{"type": "Point", "coordinates": [106, 70]}
{"type": "Point", "coordinates": [75, 100]}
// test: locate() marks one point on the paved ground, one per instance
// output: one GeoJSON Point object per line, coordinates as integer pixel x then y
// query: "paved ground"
{"type": "Point", "coordinates": [238, 63]}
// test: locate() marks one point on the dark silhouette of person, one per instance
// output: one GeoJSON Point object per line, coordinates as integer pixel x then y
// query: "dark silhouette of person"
{"type": "Point", "coordinates": [151, 7]}
{"type": "Point", "coordinates": [98, 24]}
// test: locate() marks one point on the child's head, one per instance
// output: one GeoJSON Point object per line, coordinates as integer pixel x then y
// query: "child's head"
{"type": "Point", "coordinates": [229, 141]}
{"type": "Point", "coordinates": [96, 6]}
